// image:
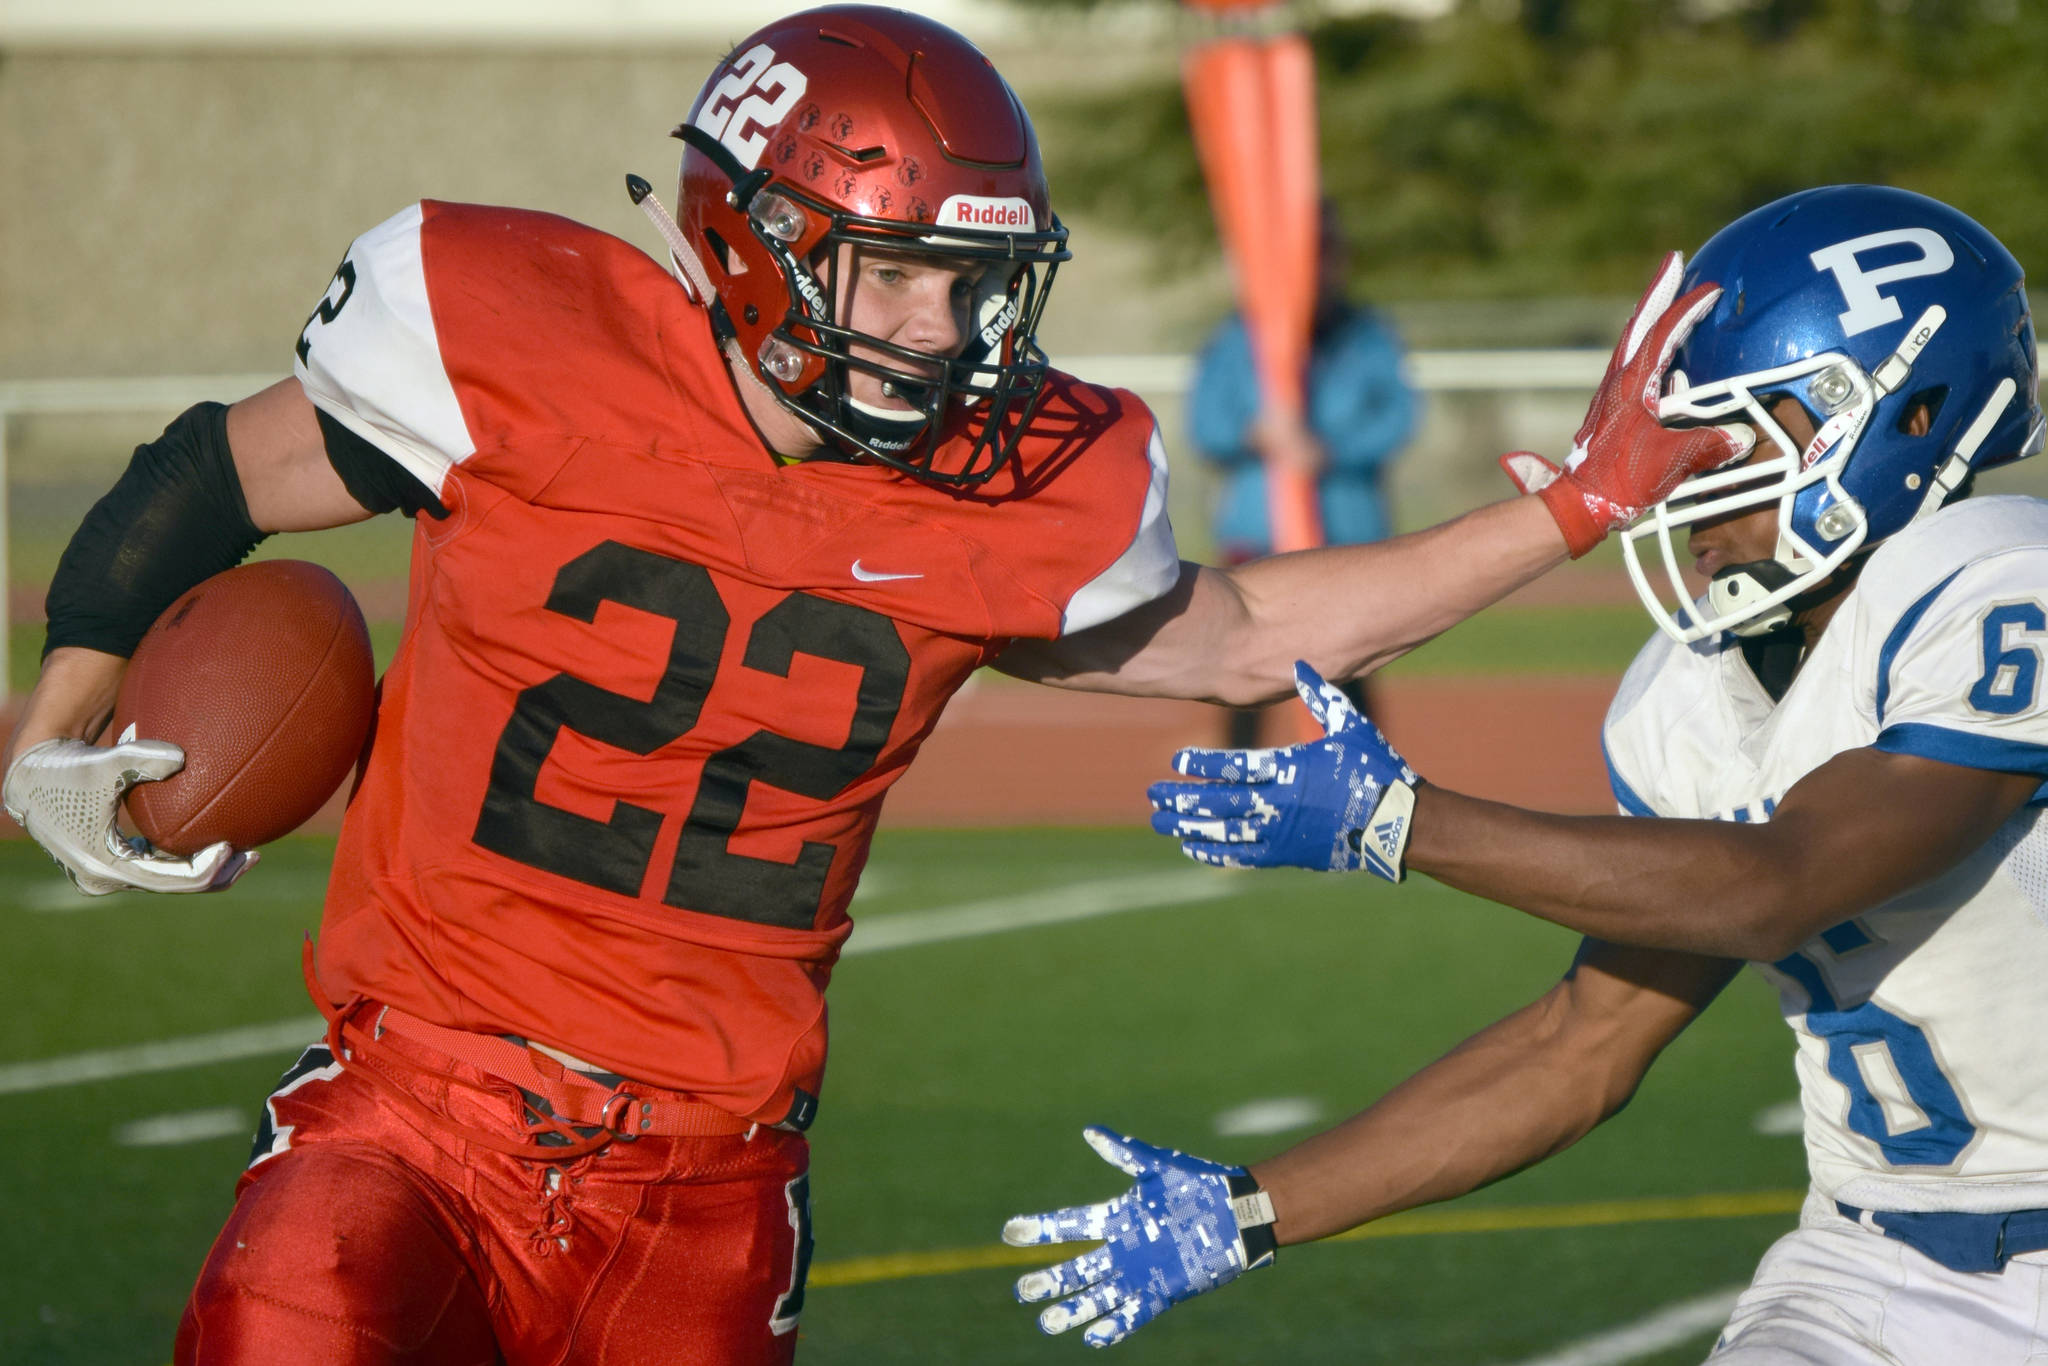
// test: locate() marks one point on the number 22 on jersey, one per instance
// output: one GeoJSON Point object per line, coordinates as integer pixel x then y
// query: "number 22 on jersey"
{"type": "Point", "coordinates": [615, 854]}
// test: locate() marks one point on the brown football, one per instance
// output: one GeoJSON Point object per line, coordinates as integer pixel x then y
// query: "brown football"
{"type": "Point", "coordinates": [263, 675]}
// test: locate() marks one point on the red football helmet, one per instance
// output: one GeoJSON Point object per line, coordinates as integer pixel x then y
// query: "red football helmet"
{"type": "Point", "coordinates": [871, 126]}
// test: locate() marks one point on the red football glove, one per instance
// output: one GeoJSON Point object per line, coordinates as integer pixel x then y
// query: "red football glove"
{"type": "Point", "coordinates": [1623, 459]}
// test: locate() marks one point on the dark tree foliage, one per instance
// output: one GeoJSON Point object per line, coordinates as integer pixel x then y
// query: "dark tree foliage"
{"type": "Point", "coordinates": [1559, 146]}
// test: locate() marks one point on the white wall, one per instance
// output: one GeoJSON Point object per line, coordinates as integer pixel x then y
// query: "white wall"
{"type": "Point", "coordinates": [270, 23]}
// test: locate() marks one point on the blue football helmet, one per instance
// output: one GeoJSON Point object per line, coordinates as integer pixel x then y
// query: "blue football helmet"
{"type": "Point", "coordinates": [1863, 303]}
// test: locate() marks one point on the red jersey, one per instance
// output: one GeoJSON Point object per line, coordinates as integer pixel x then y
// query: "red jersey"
{"type": "Point", "coordinates": [654, 684]}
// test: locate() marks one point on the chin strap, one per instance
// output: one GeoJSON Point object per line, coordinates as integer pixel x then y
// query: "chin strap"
{"type": "Point", "coordinates": [1737, 585]}
{"type": "Point", "coordinates": [682, 256]}
{"type": "Point", "coordinates": [1956, 468]}
{"type": "Point", "coordinates": [880, 427]}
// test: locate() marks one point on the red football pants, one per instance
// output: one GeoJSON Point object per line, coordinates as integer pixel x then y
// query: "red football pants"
{"type": "Point", "coordinates": [359, 1236]}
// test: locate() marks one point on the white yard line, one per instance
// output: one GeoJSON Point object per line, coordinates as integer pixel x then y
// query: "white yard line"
{"type": "Point", "coordinates": [1785, 1119]}
{"type": "Point", "coordinates": [187, 1126]}
{"type": "Point", "coordinates": [167, 1055]}
{"type": "Point", "coordinates": [1276, 1115]}
{"type": "Point", "coordinates": [904, 929]}
{"type": "Point", "coordinates": [1028, 910]}
{"type": "Point", "coordinates": [56, 896]}
{"type": "Point", "coordinates": [1656, 1332]}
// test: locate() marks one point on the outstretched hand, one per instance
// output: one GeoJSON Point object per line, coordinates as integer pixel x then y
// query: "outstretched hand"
{"type": "Point", "coordinates": [1337, 804]}
{"type": "Point", "coordinates": [1186, 1225]}
{"type": "Point", "coordinates": [1624, 461]}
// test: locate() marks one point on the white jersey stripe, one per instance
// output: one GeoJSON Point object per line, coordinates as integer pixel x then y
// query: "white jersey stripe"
{"type": "Point", "coordinates": [1147, 569]}
{"type": "Point", "coordinates": [370, 359]}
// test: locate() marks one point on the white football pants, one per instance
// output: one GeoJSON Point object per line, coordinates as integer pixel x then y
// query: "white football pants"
{"type": "Point", "coordinates": [1832, 1293]}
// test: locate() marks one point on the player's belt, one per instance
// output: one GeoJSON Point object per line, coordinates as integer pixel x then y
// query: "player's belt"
{"type": "Point", "coordinates": [578, 1115]}
{"type": "Point", "coordinates": [573, 1100]}
{"type": "Point", "coordinates": [1960, 1242]}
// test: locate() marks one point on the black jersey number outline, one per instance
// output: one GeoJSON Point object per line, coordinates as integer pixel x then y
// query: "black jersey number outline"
{"type": "Point", "coordinates": [327, 310]}
{"type": "Point", "coordinates": [615, 854]}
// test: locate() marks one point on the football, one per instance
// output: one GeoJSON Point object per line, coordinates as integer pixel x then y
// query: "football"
{"type": "Point", "coordinates": [263, 676]}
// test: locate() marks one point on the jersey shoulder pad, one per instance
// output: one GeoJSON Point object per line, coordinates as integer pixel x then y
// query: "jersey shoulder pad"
{"type": "Point", "coordinates": [494, 339]}
{"type": "Point", "coordinates": [1949, 633]}
{"type": "Point", "coordinates": [527, 262]}
{"type": "Point", "coordinates": [370, 357]}
{"type": "Point", "coordinates": [548, 325]}
{"type": "Point", "coordinates": [1093, 464]}
{"type": "Point", "coordinates": [1920, 558]}
{"type": "Point", "coordinates": [1941, 567]}
{"type": "Point", "coordinates": [1667, 687]}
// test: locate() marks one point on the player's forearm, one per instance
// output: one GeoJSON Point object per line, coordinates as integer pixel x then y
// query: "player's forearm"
{"type": "Point", "coordinates": [1708, 887]}
{"type": "Point", "coordinates": [181, 512]}
{"type": "Point", "coordinates": [1510, 1096]}
{"type": "Point", "coordinates": [1350, 609]}
{"type": "Point", "coordinates": [72, 699]}
{"type": "Point", "coordinates": [1232, 635]}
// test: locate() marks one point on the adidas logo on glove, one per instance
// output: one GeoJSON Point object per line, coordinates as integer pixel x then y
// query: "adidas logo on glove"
{"type": "Point", "coordinates": [1389, 834]}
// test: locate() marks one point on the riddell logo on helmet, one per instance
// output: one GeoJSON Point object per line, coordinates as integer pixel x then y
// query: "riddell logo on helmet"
{"type": "Point", "coordinates": [973, 211]}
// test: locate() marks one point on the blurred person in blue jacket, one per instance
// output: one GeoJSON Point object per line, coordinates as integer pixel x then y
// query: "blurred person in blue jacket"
{"type": "Point", "coordinates": [1361, 412]}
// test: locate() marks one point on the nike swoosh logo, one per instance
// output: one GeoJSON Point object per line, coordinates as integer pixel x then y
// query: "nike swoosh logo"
{"type": "Point", "coordinates": [876, 576]}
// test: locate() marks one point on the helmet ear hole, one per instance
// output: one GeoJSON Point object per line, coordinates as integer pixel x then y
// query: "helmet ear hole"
{"type": "Point", "coordinates": [1922, 411]}
{"type": "Point", "coordinates": [728, 260]}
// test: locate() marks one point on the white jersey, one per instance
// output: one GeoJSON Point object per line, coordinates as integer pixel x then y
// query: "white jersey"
{"type": "Point", "coordinates": [1922, 1023]}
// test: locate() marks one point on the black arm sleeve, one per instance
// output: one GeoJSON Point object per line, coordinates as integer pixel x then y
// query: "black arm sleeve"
{"type": "Point", "coordinates": [175, 516]}
{"type": "Point", "coordinates": [373, 478]}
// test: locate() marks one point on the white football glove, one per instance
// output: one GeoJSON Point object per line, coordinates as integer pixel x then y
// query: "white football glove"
{"type": "Point", "coordinates": [65, 794]}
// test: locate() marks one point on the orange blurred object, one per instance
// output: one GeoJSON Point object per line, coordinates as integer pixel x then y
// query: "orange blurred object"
{"type": "Point", "coordinates": [1251, 102]}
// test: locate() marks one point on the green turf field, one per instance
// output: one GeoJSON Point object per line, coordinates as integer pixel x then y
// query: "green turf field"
{"type": "Point", "coordinates": [962, 1072]}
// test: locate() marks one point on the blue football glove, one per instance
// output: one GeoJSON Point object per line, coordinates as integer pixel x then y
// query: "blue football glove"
{"type": "Point", "coordinates": [1186, 1226]}
{"type": "Point", "coordinates": [1335, 805]}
